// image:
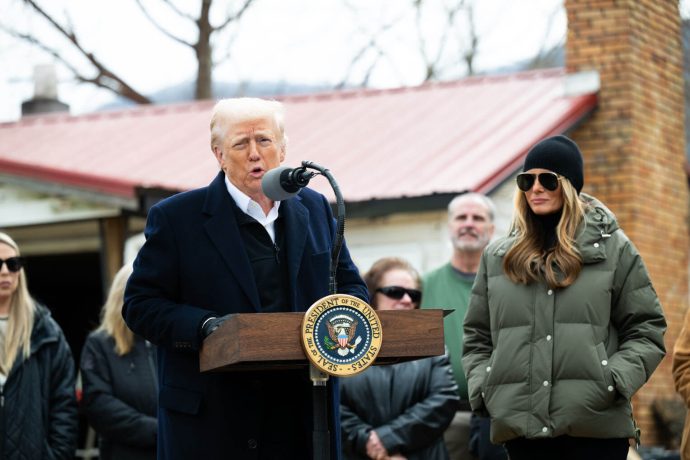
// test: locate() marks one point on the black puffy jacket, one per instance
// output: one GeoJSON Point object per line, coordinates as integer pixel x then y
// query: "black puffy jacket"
{"type": "Point", "coordinates": [409, 405]}
{"type": "Point", "coordinates": [120, 397]}
{"type": "Point", "coordinates": [38, 408]}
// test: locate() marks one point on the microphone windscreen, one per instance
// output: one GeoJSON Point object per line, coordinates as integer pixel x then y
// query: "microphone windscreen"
{"type": "Point", "coordinates": [271, 186]}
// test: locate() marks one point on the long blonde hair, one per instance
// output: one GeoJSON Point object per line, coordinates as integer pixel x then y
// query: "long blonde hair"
{"type": "Point", "coordinates": [20, 322]}
{"type": "Point", "coordinates": [111, 314]}
{"type": "Point", "coordinates": [527, 261]}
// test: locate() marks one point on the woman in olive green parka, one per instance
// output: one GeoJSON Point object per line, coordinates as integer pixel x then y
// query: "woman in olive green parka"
{"type": "Point", "coordinates": [564, 325]}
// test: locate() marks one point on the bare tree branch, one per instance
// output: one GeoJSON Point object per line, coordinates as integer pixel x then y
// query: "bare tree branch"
{"type": "Point", "coordinates": [161, 28]}
{"type": "Point", "coordinates": [31, 40]}
{"type": "Point", "coordinates": [432, 65]}
{"type": "Point", "coordinates": [372, 44]}
{"type": "Point", "coordinates": [102, 79]}
{"type": "Point", "coordinates": [218, 60]}
{"type": "Point", "coordinates": [543, 56]}
{"type": "Point", "coordinates": [236, 17]}
{"type": "Point", "coordinates": [355, 60]}
{"type": "Point", "coordinates": [471, 51]}
{"type": "Point", "coordinates": [177, 11]}
{"type": "Point", "coordinates": [451, 14]}
{"type": "Point", "coordinates": [105, 78]}
{"type": "Point", "coordinates": [450, 19]}
{"type": "Point", "coordinates": [108, 79]}
{"type": "Point", "coordinates": [421, 42]}
{"type": "Point", "coordinates": [367, 74]}
{"type": "Point", "coordinates": [434, 50]}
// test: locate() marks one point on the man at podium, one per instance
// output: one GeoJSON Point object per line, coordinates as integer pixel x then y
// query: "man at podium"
{"type": "Point", "coordinates": [223, 249]}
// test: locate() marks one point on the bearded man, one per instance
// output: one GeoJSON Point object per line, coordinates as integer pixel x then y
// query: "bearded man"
{"type": "Point", "coordinates": [470, 227]}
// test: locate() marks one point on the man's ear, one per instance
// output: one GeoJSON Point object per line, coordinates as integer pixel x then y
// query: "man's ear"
{"type": "Point", "coordinates": [282, 153]}
{"type": "Point", "coordinates": [218, 153]}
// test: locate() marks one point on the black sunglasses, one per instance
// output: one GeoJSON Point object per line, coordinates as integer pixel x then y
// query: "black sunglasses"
{"type": "Point", "coordinates": [397, 293]}
{"type": "Point", "coordinates": [14, 264]}
{"type": "Point", "coordinates": [548, 180]}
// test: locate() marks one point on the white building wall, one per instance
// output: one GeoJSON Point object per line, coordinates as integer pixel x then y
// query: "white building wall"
{"type": "Point", "coordinates": [21, 207]}
{"type": "Point", "coordinates": [421, 238]}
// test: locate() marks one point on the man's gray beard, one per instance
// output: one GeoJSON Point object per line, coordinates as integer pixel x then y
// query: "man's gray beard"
{"type": "Point", "coordinates": [466, 246]}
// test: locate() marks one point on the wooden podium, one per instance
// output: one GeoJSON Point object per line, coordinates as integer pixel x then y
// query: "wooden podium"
{"type": "Point", "coordinates": [253, 341]}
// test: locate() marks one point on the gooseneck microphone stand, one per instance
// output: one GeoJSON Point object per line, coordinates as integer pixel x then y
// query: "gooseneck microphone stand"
{"type": "Point", "coordinates": [321, 435]}
{"type": "Point", "coordinates": [340, 223]}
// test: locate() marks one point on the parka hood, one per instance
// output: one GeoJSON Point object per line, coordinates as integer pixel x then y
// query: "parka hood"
{"type": "Point", "coordinates": [599, 224]}
{"type": "Point", "coordinates": [597, 215]}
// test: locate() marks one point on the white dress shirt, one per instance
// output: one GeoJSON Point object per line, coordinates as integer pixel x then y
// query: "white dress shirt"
{"type": "Point", "coordinates": [253, 209]}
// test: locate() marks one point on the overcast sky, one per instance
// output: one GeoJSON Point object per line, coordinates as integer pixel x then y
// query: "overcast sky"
{"type": "Point", "coordinates": [300, 41]}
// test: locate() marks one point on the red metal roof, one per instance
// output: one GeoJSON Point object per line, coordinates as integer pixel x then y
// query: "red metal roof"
{"type": "Point", "coordinates": [436, 138]}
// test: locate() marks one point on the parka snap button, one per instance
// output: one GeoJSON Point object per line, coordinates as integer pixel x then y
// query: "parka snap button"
{"type": "Point", "coordinates": [488, 368]}
{"type": "Point", "coordinates": [604, 363]}
{"type": "Point", "coordinates": [544, 430]}
{"type": "Point", "coordinates": [610, 388]}
{"type": "Point", "coordinates": [546, 383]}
{"type": "Point", "coordinates": [548, 338]}
{"type": "Point", "coordinates": [549, 292]}
{"type": "Point", "coordinates": [596, 245]}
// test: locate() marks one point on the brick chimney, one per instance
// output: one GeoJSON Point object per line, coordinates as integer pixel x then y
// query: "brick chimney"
{"type": "Point", "coordinates": [634, 147]}
{"type": "Point", "coordinates": [45, 93]}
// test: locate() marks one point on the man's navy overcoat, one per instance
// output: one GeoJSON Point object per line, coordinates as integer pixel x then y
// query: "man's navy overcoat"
{"type": "Point", "coordinates": [194, 265]}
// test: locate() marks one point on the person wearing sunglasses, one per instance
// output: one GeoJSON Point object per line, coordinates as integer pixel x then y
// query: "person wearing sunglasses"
{"type": "Point", "coordinates": [119, 382]}
{"type": "Point", "coordinates": [564, 325]}
{"type": "Point", "coordinates": [397, 411]}
{"type": "Point", "coordinates": [37, 375]}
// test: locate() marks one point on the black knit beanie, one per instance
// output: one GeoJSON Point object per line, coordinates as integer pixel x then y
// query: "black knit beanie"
{"type": "Point", "coordinates": [560, 155]}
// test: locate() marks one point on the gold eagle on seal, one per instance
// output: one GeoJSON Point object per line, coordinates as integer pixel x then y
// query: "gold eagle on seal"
{"type": "Point", "coordinates": [341, 331]}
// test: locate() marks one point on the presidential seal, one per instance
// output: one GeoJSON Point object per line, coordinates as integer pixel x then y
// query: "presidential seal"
{"type": "Point", "coordinates": [341, 335]}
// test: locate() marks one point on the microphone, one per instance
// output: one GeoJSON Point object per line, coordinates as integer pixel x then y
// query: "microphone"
{"type": "Point", "coordinates": [284, 182]}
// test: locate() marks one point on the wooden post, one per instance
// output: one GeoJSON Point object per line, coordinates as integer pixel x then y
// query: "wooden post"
{"type": "Point", "coordinates": [113, 233]}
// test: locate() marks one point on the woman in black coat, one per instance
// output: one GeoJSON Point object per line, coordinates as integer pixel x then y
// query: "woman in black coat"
{"type": "Point", "coordinates": [118, 373]}
{"type": "Point", "coordinates": [399, 411]}
{"type": "Point", "coordinates": [38, 406]}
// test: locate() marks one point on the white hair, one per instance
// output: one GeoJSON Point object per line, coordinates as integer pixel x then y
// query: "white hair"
{"type": "Point", "coordinates": [237, 110]}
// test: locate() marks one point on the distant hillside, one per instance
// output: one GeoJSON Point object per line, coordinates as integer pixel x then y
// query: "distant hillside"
{"type": "Point", "coordinates": [185, 92]}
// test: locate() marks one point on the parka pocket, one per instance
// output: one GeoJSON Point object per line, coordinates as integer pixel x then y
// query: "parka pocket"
{"type": "Point", "coordinates": [604, 364]}
{"type": "Point", "coordinates": [607, 375]}
{"type": "Point", "coordinates": [486, 369]}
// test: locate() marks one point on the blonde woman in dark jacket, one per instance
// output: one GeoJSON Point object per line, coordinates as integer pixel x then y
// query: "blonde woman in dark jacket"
{"type": "Point", "coordinates": [563, 325]}
{"type": "Point", "coordinates": [119, 383]}
{"type": "Point", "coordinates": [38, 408]}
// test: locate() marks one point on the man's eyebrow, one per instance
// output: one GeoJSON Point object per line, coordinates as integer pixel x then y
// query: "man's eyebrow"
{"type": "Point", "coordinates": [466, 215]}
{"type": "Point", "coordinates": [239, 137]}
